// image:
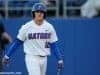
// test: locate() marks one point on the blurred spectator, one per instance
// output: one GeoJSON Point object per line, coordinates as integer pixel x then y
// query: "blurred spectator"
{"type": "Point", "coordinates": [46, 2]}
{"type": "Point", "coordinates": [90, 9]}
{"type": "Point", "coordinates": [2, 10]}
{"type": "Point", "coordinates": [4, 40]}
{"type": "Point", "coordinates": [16, 4]}
{"type": "Point", "coordinates": [29, 4]}
{"type": "Point", "coordinates": [49, 2]}
{"type": "Point", "coordinates": [73, 7]}
{"type": "Point", "coordinates": [75, 2]}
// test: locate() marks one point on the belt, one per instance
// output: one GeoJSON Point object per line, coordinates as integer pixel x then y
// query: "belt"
{"type": "Point", "coordinates": [41, 56]}
{"type": "Point", "coordinates": [36, 55]}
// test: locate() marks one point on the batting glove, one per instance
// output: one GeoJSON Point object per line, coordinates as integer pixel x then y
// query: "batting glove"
{"type": "Point", "coordinates": [60, 64]}
{"type": "Point", "coordinates": [5, 60]}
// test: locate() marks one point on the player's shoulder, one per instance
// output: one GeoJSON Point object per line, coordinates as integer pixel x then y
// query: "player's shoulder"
{"type": "Point", "coordinates": [27, 25]}
{"type": "Point", "coordinates": [48, 24]}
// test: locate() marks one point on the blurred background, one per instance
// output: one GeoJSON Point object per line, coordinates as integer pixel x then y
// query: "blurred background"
{"type": "Point", "coordinates": [56, 8]}
{"type": "Point", "coordinates": [77, 23]}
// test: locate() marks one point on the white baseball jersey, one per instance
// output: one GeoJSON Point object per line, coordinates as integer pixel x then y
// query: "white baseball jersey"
{"type": "Point", "coordinates": [37, 38]}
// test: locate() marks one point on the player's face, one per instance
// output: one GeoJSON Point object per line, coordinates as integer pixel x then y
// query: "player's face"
{"type": "Point", "coordinates": [39, 15]}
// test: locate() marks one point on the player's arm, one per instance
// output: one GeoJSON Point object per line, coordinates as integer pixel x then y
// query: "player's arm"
{"type": "Point", "coordinates": [56, 50]}
{"type": "Point", "coordinates": [14, 46]}
{"type": "Point", "coordinates": [17, 42]}
{"type": "Point", "coordinates": [54, 44]}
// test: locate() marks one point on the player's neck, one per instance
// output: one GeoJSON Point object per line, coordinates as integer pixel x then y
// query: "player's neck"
{"type": "Point", "coordinates": [38, 22]}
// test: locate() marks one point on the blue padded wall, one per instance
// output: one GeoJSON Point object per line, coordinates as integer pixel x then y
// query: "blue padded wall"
{"type": "Point", "coordinates": [79, 40]}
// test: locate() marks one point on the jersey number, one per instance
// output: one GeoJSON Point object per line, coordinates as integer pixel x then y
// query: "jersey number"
{"type": "Point", "coordinates": [47, 45]}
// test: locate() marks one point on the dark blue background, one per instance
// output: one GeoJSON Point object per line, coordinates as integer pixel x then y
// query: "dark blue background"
{"type": "Point", "coordinates": [79, 41]}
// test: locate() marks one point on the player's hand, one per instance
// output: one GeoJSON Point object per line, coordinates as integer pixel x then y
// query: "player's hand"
{"type": "Point", "coordinates": [60, 64]}
{"type": "Point", "coordinates": [5, 61]}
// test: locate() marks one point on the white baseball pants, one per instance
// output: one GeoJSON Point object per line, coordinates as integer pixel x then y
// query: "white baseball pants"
{"type": "Point", "coordinates": [36, 65]}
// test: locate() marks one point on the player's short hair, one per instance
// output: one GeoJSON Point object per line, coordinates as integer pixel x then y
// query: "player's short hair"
{"type": "Point", "coordinates": [33, 14]}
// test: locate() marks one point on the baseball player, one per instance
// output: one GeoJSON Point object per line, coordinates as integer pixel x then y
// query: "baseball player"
{"type": "Point", "coordinates": [38, 37]}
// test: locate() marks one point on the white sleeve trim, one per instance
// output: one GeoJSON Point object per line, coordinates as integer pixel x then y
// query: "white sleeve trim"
{"type": "Point", "coordinates": [6, 57]}
{"type": "Point", "coordinates": [20, 38]}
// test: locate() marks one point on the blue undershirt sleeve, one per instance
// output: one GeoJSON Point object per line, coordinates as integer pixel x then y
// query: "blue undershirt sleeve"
{"type": "Point", "coordinates": [14, 46]}
{"type": "Point", "coordinates": [56, 50]}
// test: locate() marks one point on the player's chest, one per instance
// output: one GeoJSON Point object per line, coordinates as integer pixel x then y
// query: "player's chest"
{"type": "Point", "coordinates": [38, 33]}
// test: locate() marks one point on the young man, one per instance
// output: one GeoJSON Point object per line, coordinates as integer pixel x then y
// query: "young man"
{"type": "Point", "coordinates": [38, 36]}
{"type": "Point", "coordinates": [4, 40]}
